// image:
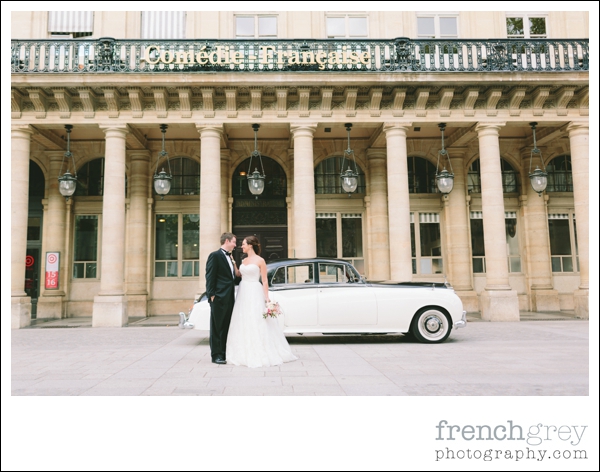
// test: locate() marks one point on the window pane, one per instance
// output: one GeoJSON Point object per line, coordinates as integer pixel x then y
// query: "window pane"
{"type": "Point", "coordinates": [413, 250]}
{"type": "Point", "coordinates": [567, 264]}
{"type": "Point", "coordinates": [425, 266]}
{"type": "Point", "coordinates": [172, 269]}
{"type": "Point", "coordinates": [86, 238]}
{"type": "Point", "coordinates": [556, 267]}
{"type": "Point", "coordinates": [278, 277]}
{"type": "Point", "coordinates": [187, 268]}
{"type": "Point", "coordinates": [90, 270]}
{"type": "Point", "coordinates": [477, 244]}
{"type": "Point", "coordinates": [302, 274]}
{"type": "Point", "coordinates": [430, 239]}
{"type": "Point", "coordinates": [166, 237]}
{"type": "Point", "coordinates": [244, 26]}
{"type": "Point", "coordinates": [478, 265]}
{"type": "Point", "coordinates": [560, 239]}
{"type": "Point", "coordinates": [336, 27]}
{"type": "Point", "coordinates": [448, 27]}
{"type": "Point", "coordinates": [331, 273]}
{"type": "Point", "coordinates": [514, 27]}
{"type": "Point", "coordinates": [78, 270]}
{"type": "Point", "coordinates": [537, 26]}
{"type": "Point", "coordinates": [438, 266]}
{"type": "Point", "coordinates": [191, 236]}
{"type": "Point", "coordinates": [352, 237]}
{"type": "Point", "coordinates": [426, 27]}
{"type": "Point", "coordinates": [267, 26]}
{"type": "Point", "coordinates": [159, 269]}
{"type": "Point", "coordinates": [326, 237]}
{"type": "Point", "coordinates": [357, 26]}
{"type": "Point", "coordinates": [515, 264]}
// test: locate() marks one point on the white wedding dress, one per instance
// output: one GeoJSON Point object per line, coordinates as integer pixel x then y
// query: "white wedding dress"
{"type": "Point", "coordinates": [252, 340]}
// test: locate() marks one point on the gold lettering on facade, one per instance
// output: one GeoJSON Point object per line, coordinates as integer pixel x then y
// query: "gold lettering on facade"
{"type": "Point", "coordinates": [225, 56]}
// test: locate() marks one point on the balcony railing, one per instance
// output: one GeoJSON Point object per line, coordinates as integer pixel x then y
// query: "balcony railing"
{"type": "Point", "coordinates": [108, 55]}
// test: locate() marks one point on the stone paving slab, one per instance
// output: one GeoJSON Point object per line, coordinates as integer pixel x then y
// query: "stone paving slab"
{"type": "Point", "coordinates": [513, 358]}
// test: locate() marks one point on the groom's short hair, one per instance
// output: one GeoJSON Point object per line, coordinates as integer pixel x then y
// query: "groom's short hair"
{"type": "Point", "coordinates": [226, 237]}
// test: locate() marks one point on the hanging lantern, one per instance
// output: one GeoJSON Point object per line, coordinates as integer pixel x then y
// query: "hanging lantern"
{"type": "Point", "coordinates": [444, 179]}
{"type": "Point", "coordinates": [67, 183]}
{"type": "Point", "coordinates": [349, 176]}
{"type": "Point", "coordinates": [162, 180]}
{"type": "Point", "coordinates": [256, 179]}
{"type": "Point", "coordinates": [539, 177]}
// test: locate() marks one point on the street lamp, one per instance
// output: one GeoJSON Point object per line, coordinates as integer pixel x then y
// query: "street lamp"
{"type": "Point", "coordinates": [349, 176]}
{"type": "Point", "coordinates": [67, 183]}
{"type": "Point", "coordinates": [256, 180]}
{"type": "Point", "coordinates": [539, 177]}
{"type": "Point", "coordinates": [162, 180]}
{"type": "Point", "coordinates": [444, 179]}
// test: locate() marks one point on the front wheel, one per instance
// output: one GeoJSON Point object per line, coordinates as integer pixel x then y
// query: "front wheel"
{"type": "Point", "coordinates": [430, 325]}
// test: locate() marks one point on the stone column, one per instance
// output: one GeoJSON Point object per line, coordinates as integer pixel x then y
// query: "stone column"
{"type": "Point", "coordinates": [137, 235]}
{"type": "Point", "coordinates": [289, 199]}
{"type": "Point", "coordinates": [378, 216]}
{"type": "Point", "coordinates": [304, 209]}
{"type": "Point", "coordinates": [398, 201]}
{"type": "Point", "coordinates": [579, 136]}
{"type": "Point", "coordinates": [20, 142]}
{"type": "Point", "coordinates": [110, 305]}
{"type": "Point", "coordinates": [498, 301]}
{"type": "Point", "coordinates": [210, 194]}
{"type": "Point", "coordinates": [537, 243]}
{"type": "Point", "coordinates": [51, 303]}
{"type": "Point", "coordinates": [225, 189]}
{"type": "Point", "coordinates": [458, 241]}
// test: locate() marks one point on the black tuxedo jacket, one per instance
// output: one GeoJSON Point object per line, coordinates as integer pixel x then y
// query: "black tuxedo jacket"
{"type": "Point", "coordinates": [220, 281]}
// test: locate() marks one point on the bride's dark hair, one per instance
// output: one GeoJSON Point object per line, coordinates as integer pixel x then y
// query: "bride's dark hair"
{"type": "Point", "coordinates": [253, 241]}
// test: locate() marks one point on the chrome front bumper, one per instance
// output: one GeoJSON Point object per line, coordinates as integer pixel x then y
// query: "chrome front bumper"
{"type": "Point", "coordinates": [463, 321]}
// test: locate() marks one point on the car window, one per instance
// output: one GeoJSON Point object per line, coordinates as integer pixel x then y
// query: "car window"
{"type": "Point", "coordinates": [332, 274]}
{"type": "Point", "coordinates": [300, 274]}
{"type": "Point", "coordinates": [279, 276]}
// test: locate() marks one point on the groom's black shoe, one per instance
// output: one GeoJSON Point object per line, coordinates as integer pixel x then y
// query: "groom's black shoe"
{"type": "Point", "coordinates": [219, 360]}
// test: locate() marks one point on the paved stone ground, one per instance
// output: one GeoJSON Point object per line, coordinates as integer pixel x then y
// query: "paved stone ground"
{"type": "Point", "coordinates": [157, 358]}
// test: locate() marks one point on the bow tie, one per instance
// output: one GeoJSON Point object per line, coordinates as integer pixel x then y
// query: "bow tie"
{"type": "Point", "coordinates": [228, 253]}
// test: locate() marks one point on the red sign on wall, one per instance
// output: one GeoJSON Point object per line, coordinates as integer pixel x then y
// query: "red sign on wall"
{"type": "Point", "coordinates": [52, 272]}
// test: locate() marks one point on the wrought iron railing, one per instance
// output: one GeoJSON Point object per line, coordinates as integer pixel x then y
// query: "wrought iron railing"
{"type": "Point", "coordinates": [108, 55]}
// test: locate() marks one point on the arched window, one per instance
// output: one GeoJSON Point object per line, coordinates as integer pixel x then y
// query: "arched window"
{"type": "Point", "coordinates": [510, 178]}
{"type": "Point", "coordinates": [327, 177]}
{"type": "Point", "coordinates": [560, 175]}
{"type": "Point", "coordinates": [90, 179]}
{"type": "Point", "coordinates": [186, 176]}
{"type": "Point", "coordinates": [421, 176]}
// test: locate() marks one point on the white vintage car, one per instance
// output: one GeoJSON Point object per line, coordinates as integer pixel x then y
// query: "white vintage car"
{"type": "Point", "coordinates": [329, 296]}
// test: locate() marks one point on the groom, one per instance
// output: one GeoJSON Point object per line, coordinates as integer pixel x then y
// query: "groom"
{"type": "Point", "coordinates": [220, 283]}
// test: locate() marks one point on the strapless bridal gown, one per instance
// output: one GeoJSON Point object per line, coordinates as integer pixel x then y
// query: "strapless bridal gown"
{"type": "Point", "coordinates": [252, 340]}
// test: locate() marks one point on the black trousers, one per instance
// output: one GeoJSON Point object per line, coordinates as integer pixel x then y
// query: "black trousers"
{"type": "Point", "coordinates": [220, 318]}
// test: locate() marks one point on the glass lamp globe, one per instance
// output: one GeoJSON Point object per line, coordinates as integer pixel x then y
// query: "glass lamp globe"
{"type": "Point", "coordinates": [162, 183]}
{"type": "Point", "coordinates": [539, 180]}
{"type": "Point", "coordinates": [256, 183]}
{"type": "Point", "coordinates": [349, 181]}
{"type": "Point", "coordinates": [445, 181]}
{"type": "Point", "coordinates": [67, 184]}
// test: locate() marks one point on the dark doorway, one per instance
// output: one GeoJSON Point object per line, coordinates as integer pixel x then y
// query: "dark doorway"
{"type": "Point", "coordinates": [34, 235]}
{"type": "Point", "coordinates": [264, 217]}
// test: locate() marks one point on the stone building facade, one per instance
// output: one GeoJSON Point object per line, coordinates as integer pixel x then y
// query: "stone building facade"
{"type": "Point", "coordinates": [117, 250]}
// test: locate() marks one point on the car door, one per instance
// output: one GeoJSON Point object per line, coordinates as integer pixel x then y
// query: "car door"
{"type": "Point", "coordinates": [344, 300]}
{"type": "Point", "coordinates": [294, 287]}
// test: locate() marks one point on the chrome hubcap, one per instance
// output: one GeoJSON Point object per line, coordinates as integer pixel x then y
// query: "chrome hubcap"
{"type": "Point", "coordinates": [433, 324]}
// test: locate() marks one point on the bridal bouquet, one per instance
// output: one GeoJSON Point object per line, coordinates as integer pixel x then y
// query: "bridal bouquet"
{"type": "Point", "coordinates": [272, 310]}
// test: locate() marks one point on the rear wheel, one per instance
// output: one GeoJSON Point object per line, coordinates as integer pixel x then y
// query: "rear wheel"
{"type": "Point", "coordinates": [430, 325]}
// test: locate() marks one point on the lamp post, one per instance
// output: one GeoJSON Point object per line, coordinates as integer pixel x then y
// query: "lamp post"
{"type": "Point", "coordinates": [349, 176]}
{"type": "Point", "coordinates": [162, 180]}
{"type": "Point", "coordinates": [444, 179]}
{"type": "Point", "coordinates": [539, 177]}
{"type": "Point", "coordinates": [256, 179]}
{"type": "Point", "coordinates": [67, 183]}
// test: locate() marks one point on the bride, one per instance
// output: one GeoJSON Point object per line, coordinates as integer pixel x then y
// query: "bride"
{"type": "Point", "coordinates": [253, 340]}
